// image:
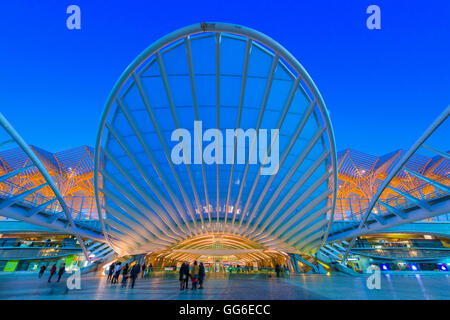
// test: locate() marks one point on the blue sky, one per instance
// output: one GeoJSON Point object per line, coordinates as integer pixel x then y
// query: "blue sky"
{"type": "Point", "coordinates": [382, 87]}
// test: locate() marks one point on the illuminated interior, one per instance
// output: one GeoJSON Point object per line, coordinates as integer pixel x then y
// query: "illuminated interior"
{"type": "Point", "coordinates": [72, 171]}
{"type": "Point", "coordinates": [361, 174]}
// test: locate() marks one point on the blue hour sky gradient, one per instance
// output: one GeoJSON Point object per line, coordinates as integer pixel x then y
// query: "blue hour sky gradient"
{"type": "Point", "coordinates": [382, 87]}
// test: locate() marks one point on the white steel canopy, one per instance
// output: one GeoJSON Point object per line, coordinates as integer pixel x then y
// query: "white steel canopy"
{"type": "Point", "coordinates": [227, 77]}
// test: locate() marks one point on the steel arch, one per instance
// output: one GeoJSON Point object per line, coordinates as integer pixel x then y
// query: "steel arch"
{"type": "Point", "coordinates": [181, 226]}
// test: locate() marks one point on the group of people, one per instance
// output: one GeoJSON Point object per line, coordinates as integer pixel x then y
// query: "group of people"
{"type": "Point", "coordinates": [281, 269]}
{"type": "Point", "coordinates": [196, 273]}
{"type": "Point", "coordinates": [61, 271]}
{"type": "Point", "coordinates": [115, 269]}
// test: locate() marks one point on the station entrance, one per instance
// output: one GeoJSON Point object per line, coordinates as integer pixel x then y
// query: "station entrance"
{"type": "Point", "coordinates": [220, 253]}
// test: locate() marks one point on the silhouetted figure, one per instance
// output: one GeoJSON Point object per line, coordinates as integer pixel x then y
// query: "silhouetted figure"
{"type": "Point", "coordinates": [125, 275]}
{"type": "Point", "coordinates": [134, 273]}
{"type": "Point", "coordinates": [111, 271]}
{"type": "Point", "coordinates": [201, 275]}
{"type": "Point", "coordinates": [144, 268]}
{"type": "Point", "coordinates": [277, 270]}
{"type": "Point", "coordinates": [41, 271]}
{"type": "Point", "coordinates": [181, 276]}
{"type": "Point", "coordinates": [52, 272]}
{"type": "Point", "coordinates": [61, 271]}
{"type": "Point", "coordinates": [184, 276]}
{"type": "Point", "coordinates": [188, 275]}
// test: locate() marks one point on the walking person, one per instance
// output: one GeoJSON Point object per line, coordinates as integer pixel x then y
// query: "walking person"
{"type": "Point", "coordinates": [134, 273]}
{"type": "Point", "coordinates": [125, 275]}
{"type": "Point", "coordinates": [61, 271]}
{"type": "Point", "coordinates": [184, 276]}
{"type": "Point", "coordinates": [41, 271]}
{"type": "Point", "coordinates": [286, 270]}
{"type": "Point", "coordinates": [194, 275]}
{"type": "Point", "coordinates": [111, 271]}
{"type": "Point", "coordinates": [117, 268]}
{"type": "Point", "coordinates": [144, 268]}
{"type": "Point", "coordinates": [150, 269]}
{"type": "Point", "coordinates": [277, 270]}
{"type": "Point", "coordinates": [52, 272]}
{"type": "Point", "coordinates": [201, 275]}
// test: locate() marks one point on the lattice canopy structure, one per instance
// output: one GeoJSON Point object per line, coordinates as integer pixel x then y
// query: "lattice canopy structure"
{"type": "Point", "coordinates": [405, 185]}
{"type": "Point", "coordinates": [361, 175]}
{"type": "Point", "coordinates": [27, 190]}
{"type": "Point", "coordinates": [226, 77]}
{"type": "Point", "coordinates": [432, 196]}
{"type": "Point", "coordinates": [71, 170]}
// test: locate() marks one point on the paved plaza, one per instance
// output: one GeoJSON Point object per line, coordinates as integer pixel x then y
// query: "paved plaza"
{"type": "Point", "coordinates": [238, 286]}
